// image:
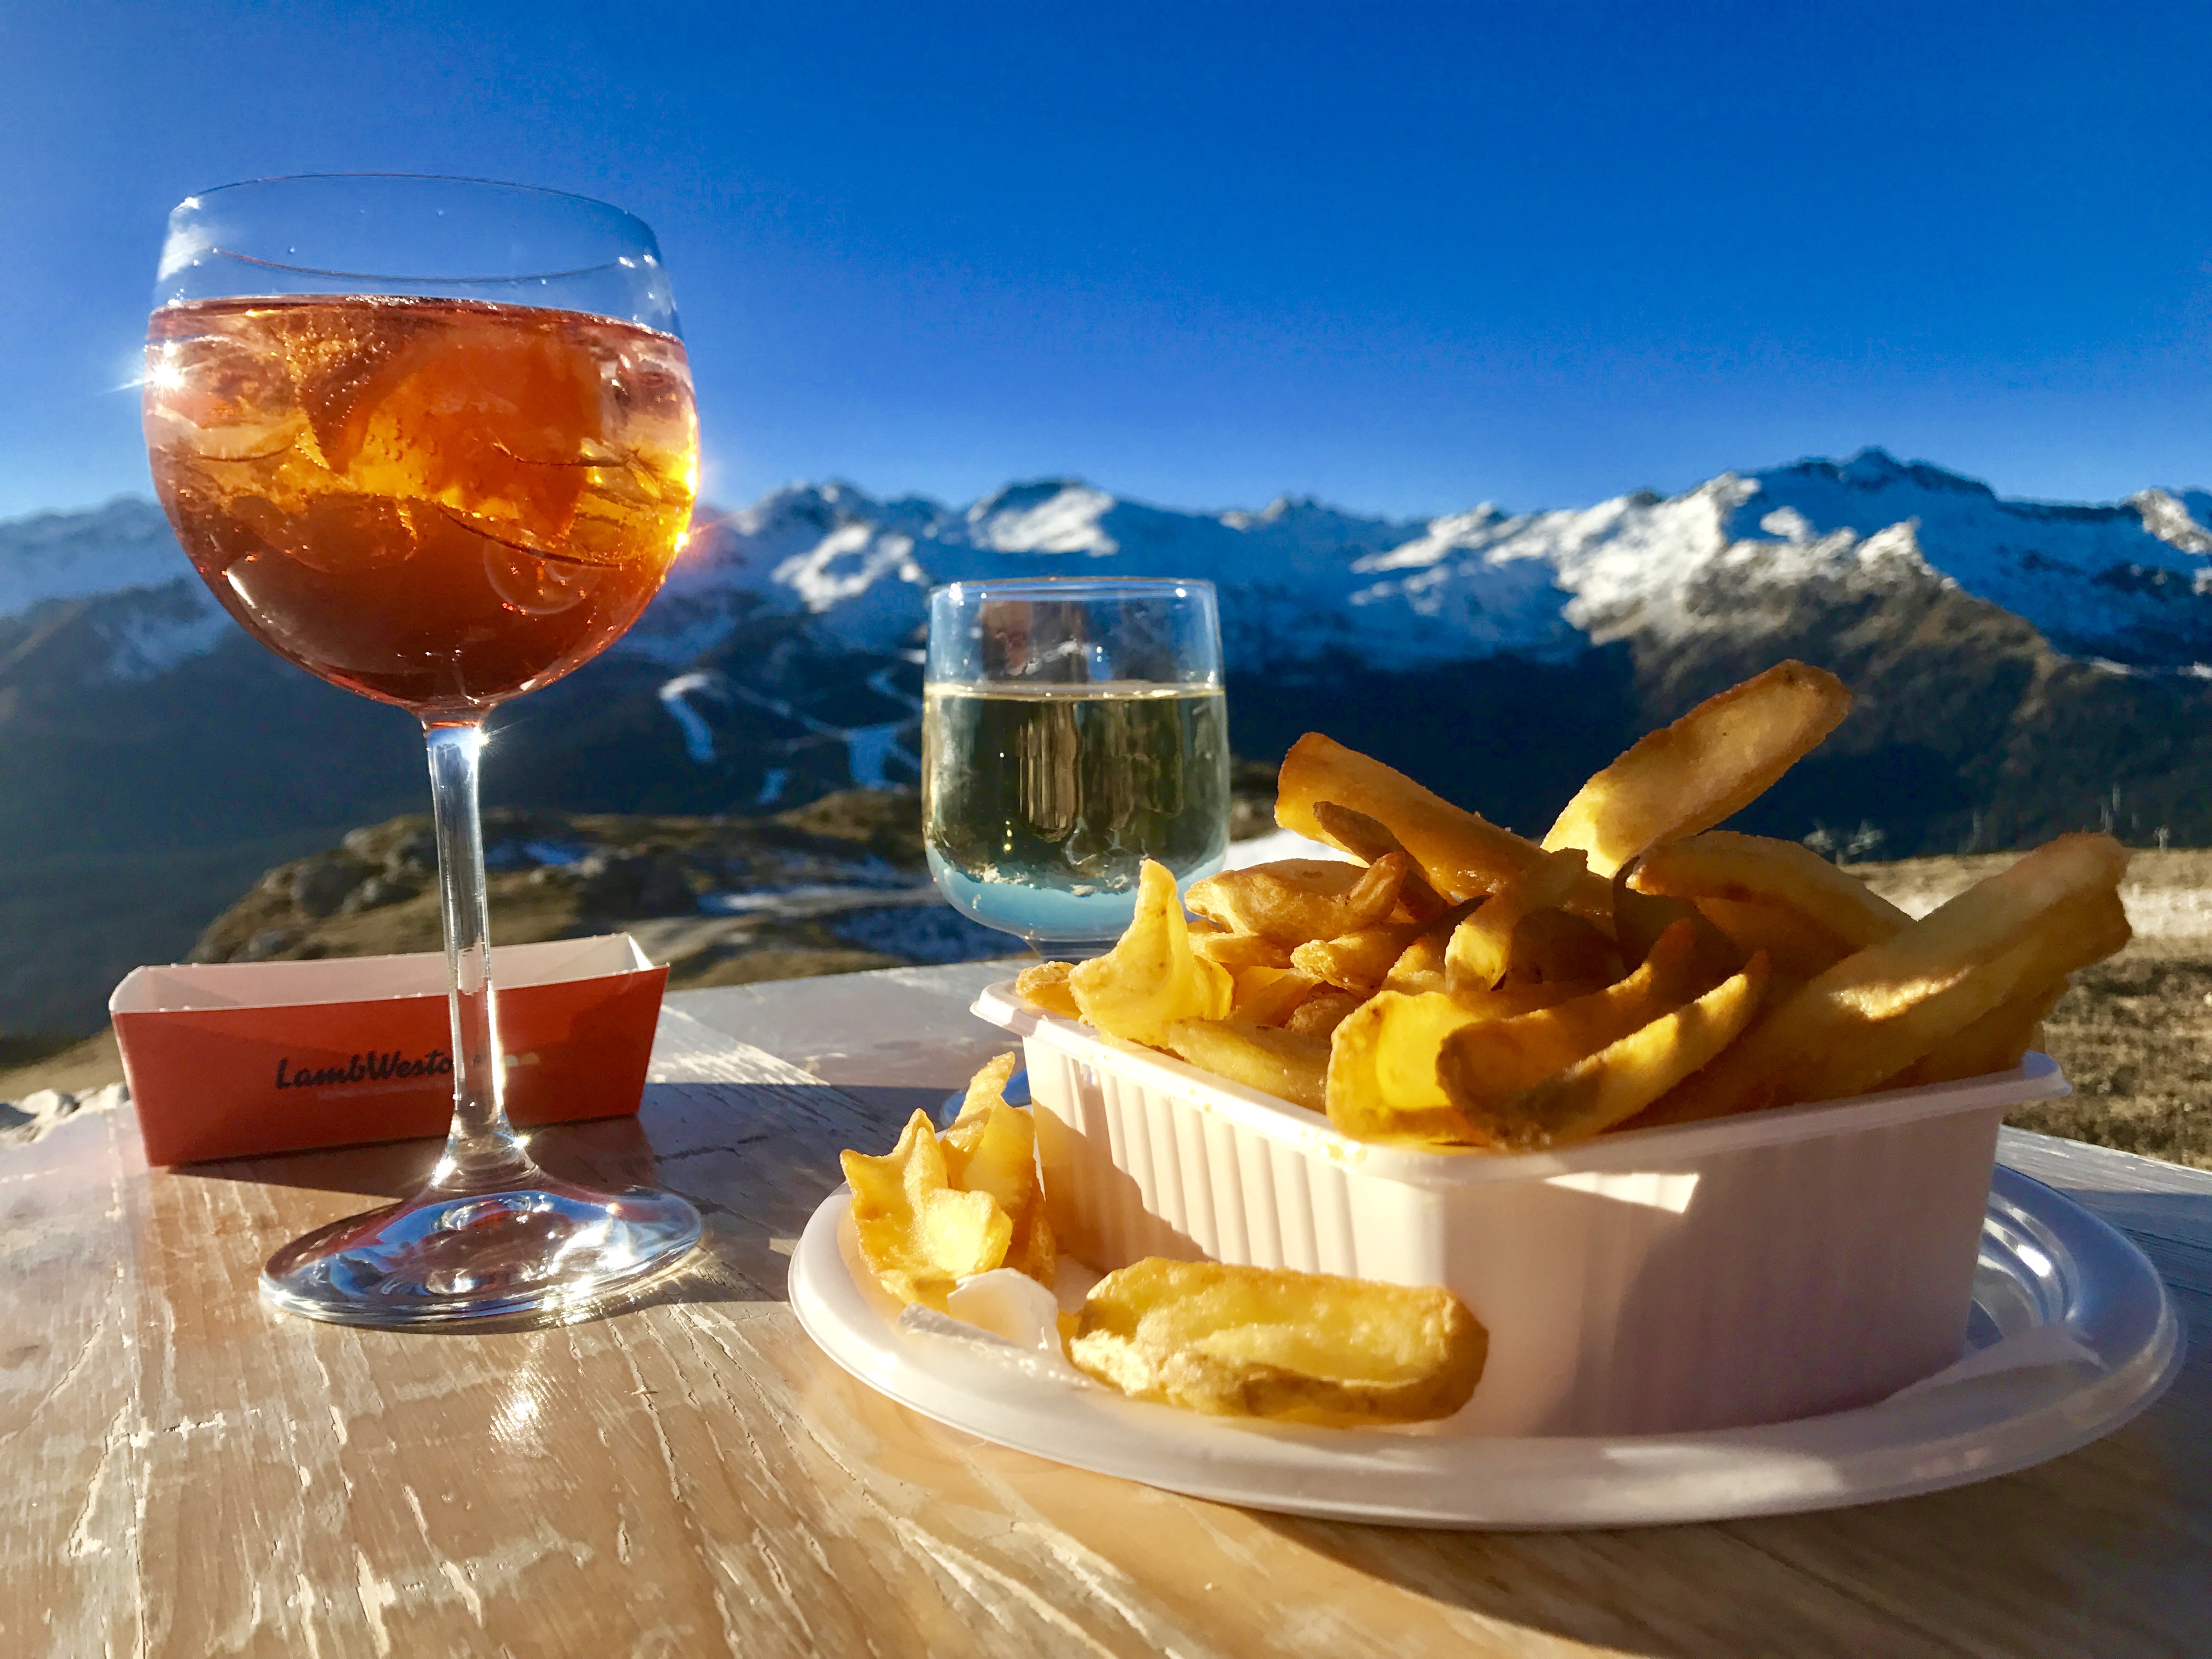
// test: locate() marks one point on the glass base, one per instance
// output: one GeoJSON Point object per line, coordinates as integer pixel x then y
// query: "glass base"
{"type": "Point", "coordinates": [547, 1247]}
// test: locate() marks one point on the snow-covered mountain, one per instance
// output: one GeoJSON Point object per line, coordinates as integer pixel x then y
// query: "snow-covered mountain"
{"type": "Point", "coordinates": [2131, 582]}
{"type": "Point", "coordinates": [2128, 583]}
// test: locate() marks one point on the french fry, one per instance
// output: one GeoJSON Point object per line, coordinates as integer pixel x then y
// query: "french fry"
{"type": "Point", "coordinates": [919, 1236]}
{"type": "Point", "coordinates": [1621, 1080]}
{"type": "Point", "coordinates": [1044, 985]}
{"type": "Point", "coordinates": [1483, 1065]}
{"type": "Point", "coordinates": [1357, 961]}
{"type": "Point", "coordinates": [1481, 946]}
{"type": "Point", "coordinates": [1461, 854]}
{"type": "Point", "coordinates": [1322, 1012]}
{"type": "Point", "coordinates": [1370, 839]}
{"type": "Point", "coordinates": [1419, 967]}
{"type": "Point", "coordinates": [1879, 1010]}
{"type": "Point", "coordinates": [1270, 1342]}
{"type": "Point", "coordinates": [1382, 1071]}
{"type": "Point", "coordinates": [1511, 1001]}
{"type": "Point", "coordinates": [992, 1149]}
{"type": "Point", "coordinates": [987, 1088]}
{"type": "Point", "coordinates": [1714, 761]}
{"type": "Point", "coordinates": [1281, 1063]}
{"type": "Point", "coordinates": [1294, 900]}
{"type": "Point", "coordinates": [1238, 952]}
{"type": "Point", "coordinates": [1720, 864]}
{"type": "Point", "coordinates": [1151, 978]}
{"type": "Point", "coordinates": [2081, 930]}
{"type": "Point", "coordinates": [1265, 996]}
{"type": "Point", "coordinates": [1997, 1041]}
{"type": "Point", "coordinates": [1793, 943]}
{"type": "Point", "coordinates": [1551, 946]}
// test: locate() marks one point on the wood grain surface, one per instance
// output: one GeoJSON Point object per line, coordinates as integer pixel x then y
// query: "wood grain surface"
{"type": "Point", "coordinates": [187, 1473]}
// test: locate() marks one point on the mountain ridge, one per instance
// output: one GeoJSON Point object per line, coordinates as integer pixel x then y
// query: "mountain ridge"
{"type": "Point", "coordinates": [2129, 582]}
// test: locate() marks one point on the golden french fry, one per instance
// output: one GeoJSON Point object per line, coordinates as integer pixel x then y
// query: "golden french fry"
{"type": "Point", "coordinates": [1619, 1080]}
{"type": "Point", "coordinates": [917, 1234]}
{"type": "Point", "coordinates": [1357, 961]}
{"type": "Point", "coordinates": [1720, 864]}
{"type": "Point", "coordinates": [1370, 839]}
{"type": "Point", "coordinates": [1551, 946]}
{"type": "Point", "coordinates": [1044, 985]}
{"type": "Point", "coordinates": [987, 1088]}
{"type": "Point", "coordinates": [1462, 855]}
{"type": "Point", "coordinates": [1795, 944]}
{"type": "Point", "coordinates": [1294, 900]}
{"type": "Point", "coordinates": [2081, 930]}
{"type": "Point", "coordinates": [1238, 952]}
{"type": "Point", "coordinates": [1714, 761]}
{"type": "Point", "coordinates": [1484, 1065]}
{"type": "Point", "coordinates": [1265, 996]}
{"type": "Point", "coordinates": [1238, 1342]}
{"type": "Point", "coordinates": [1322, 1012]}
{"type": "Point", "coordinates": [1481, 946]}
{"type": "Point", "coordinates": [1151, 978]}
{"type": "Point", "coordinates": [1276, 1062]}
{"type": "Point", "coordinates": [1382, 1071]}
{"type": "Point", "coordinates": [1511, 1001]}
{"type": "Point", "coordinates": [1879, 1010]}
{"type": "Point", "coordinates": [1997, 1041]}
{"type": "Point", "coordinates": [1420, 966]}
{"type": "Point", "coordinates": [992, 1149]}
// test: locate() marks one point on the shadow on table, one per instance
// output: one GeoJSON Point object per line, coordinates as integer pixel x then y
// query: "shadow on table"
{"type": "Point", "coordinates": [609, 1152]}
{"type": "Point", "coordinates": [753, 1191]}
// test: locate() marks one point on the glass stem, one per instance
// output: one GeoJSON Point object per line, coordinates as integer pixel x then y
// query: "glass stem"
{"type": "Point", "coordinates": [482, 1152]}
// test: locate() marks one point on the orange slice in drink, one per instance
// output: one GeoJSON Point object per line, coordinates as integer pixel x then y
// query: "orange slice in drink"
{"type": "Point", "coordinates": [497, 425]}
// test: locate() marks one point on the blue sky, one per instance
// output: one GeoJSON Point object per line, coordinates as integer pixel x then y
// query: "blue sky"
{"type": "Point", "coordinates": [1404, 258]}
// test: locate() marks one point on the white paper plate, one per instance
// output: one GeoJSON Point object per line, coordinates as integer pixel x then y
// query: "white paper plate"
{"type": "Point", "coordinates": [2049, 1271]}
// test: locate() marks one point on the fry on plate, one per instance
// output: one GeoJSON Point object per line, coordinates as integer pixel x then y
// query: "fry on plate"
{"type": "Point", "coordinates": [1270, 1342]}
{"type": "Point", "coordinates": [935, 1210]}
{"type": "Point", "coordinates": [918, 1234]}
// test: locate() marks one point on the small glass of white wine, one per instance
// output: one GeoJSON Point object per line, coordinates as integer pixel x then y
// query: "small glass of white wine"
{"type": "Point", "coordinates": [1071, 729]}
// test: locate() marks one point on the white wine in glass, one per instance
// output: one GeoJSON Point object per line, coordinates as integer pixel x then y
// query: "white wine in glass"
{"type": "Point", "coordinates": [1072, 729]}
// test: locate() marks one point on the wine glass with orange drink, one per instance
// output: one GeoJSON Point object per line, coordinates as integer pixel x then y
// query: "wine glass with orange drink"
{"type": "Point", "coordinates": [433, 440]}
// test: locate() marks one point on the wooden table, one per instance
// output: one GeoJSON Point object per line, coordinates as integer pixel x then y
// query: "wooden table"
{"type": "Point", "coordinates": [187, 1473]}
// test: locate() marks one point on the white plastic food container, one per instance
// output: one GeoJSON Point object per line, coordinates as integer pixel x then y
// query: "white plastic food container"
{"type": "Point", "coordinates": [1747, 1270]}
